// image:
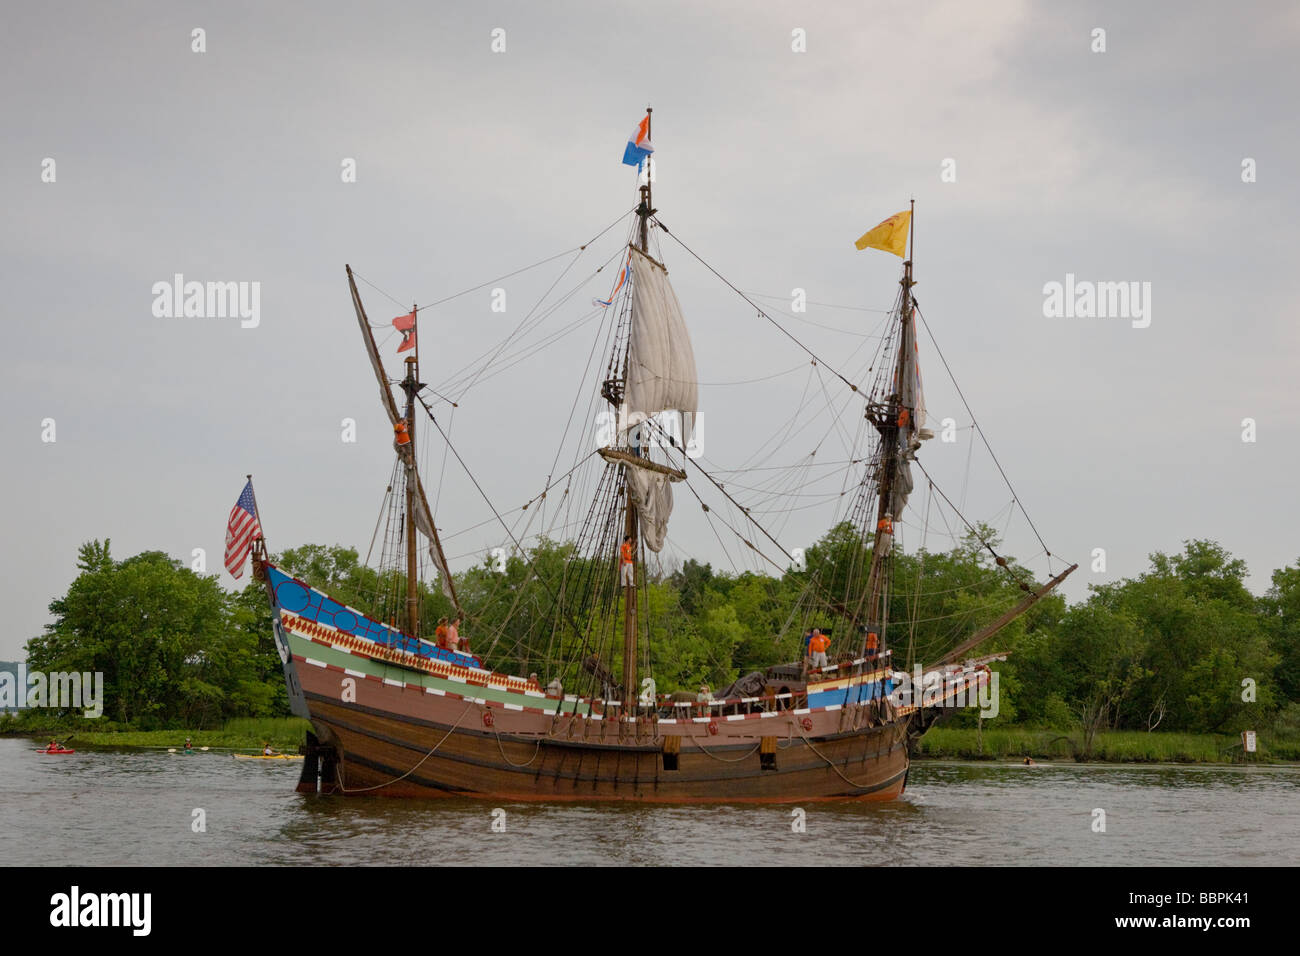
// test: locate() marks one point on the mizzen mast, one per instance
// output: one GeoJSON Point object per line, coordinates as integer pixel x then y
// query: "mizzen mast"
{"type": "Point", "coordinates": [890, 419]}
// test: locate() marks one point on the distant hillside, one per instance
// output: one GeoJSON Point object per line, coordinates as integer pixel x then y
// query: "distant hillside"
{"type": "Point", "coordinates": [12, 668]}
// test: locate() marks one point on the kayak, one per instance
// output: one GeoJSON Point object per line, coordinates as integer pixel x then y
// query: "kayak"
{"type": "Point", "coordinates": [268, 757]}
{"type": "Point", "coordinates": [60, 751]}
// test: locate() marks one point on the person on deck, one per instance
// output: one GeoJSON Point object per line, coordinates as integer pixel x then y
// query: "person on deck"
{"type": "Point", "coordinates": [873, 645]}
{"type": "Point", "coordinates": [819, 645]}
{"type": "Point", "coordinates": [702, 698]}
{"type": "Point", "coordinates": [440, 632]}
{"type": "Point", "coordinates": [807, 638]}
{"type": "Point", "coordinates": [627, 575]}
{"type": "Point", "coordinates": [555, 688]}
{"type": "Point", "coordinates": [454, 640]}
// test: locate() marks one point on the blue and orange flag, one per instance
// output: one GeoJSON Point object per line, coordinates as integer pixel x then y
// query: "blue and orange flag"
{"type": "Point", "coordinates": [638, 145]}
{"type": "Point", "coordinates": [890, 235]}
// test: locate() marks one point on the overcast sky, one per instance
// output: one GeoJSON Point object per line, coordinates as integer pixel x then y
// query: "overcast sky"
{"type": "Point", "coordinates": [225, 165]}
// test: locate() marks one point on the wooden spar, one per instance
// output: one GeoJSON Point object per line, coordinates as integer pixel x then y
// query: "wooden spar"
{"type": "Point", "coordinates": [984, 633]}
{"type": "Point", "coordinates": [385, 392]}
{"type": "Point", "coordinates": [615, 454]}
{"type": "Point", "coordinates": [629, 507]}
{"type": "Point", "coordinates": [411, 385]}
{"type": "Point", "coordinates": [437, 544]}
{"type": "Point", "coordinates": [888, 428]}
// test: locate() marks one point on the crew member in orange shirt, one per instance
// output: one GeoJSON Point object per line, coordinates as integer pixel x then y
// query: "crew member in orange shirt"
{"type": "Point", "coordinates": [819, 645]}
{"type": "Point", "coordinates": [627, 572]}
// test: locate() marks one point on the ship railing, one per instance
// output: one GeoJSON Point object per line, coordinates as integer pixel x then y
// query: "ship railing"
{"type": "Point", "coordinates": [880, 662]}
{"type": "Point", "coordinates": [730, 706]}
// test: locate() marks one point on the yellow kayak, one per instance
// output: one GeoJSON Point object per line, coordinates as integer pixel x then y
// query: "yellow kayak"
{"type": "Point", "coordinates": [267, 757]}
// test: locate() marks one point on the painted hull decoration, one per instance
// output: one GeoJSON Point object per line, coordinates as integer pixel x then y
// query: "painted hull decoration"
{"type": "Point", "coordinates": [396, 714]}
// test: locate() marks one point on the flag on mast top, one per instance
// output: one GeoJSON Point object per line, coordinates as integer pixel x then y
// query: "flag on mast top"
{"type": "Point", "coordinates": [639, 146]}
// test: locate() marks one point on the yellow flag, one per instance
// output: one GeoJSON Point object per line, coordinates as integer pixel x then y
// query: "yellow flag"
{"type": "Point", "coordinates": [890, 235]}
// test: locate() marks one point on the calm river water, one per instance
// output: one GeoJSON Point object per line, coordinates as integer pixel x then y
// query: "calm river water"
{"type": "Point", "coordinates": [138, 808]}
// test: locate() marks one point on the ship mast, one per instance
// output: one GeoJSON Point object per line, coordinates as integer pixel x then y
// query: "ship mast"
{"type": "Point", "coordinates": [643, 211]}
{"type": "Point", "coordinates": [411, 385]}
{"type": "Point", "coordinates": [886, 420]}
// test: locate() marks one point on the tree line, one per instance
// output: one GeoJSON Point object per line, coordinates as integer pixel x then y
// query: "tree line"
{"type": "Point", "coordinates": [1184, 646]}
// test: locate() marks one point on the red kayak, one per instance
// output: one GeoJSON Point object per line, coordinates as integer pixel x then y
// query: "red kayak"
{"type": "Point", "coordinates": [59, 751]}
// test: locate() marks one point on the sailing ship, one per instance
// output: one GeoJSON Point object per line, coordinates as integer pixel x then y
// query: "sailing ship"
{"type": "Point", "coordinates": [396, 713]}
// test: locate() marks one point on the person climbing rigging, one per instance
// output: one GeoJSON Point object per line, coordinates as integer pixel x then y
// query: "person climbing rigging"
{"type": "Point", "coordinates": [627, 574]}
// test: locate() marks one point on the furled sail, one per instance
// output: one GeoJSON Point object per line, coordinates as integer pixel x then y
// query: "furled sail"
{"type": "Point", "coordinates": [660, 377]}
{"type": "Point", "coordinates": [423, 515]}
{"type": "Point", "coordinates": [424, 524]}
{"type": "Point", "coordinates": [661, 362]}
{"type": "Point", "coordinates": [385, 390]}
{"type": "Point", "coordinates": [911, 423]}
{"type": "Point", "coordinates": [653, 496]}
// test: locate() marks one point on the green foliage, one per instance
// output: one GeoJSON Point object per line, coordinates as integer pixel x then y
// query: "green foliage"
{"type": "Point", "coordinates": [1171, 649]}
{"type": "Point", "coordinates": [161, 635]}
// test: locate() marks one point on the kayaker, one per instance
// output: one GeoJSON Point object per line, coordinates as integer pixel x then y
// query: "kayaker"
{"type": "Point", "coordinates": [267, 751]}
{"type": "Point", "coordinates": [54, 747]}
{"type": "Point", "coordinates": [188, 745]}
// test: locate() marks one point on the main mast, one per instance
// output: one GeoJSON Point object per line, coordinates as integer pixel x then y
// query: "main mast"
{"type": "Point", "coordinates": [643, 211]}
{"type": "Point", "coordinates": [411, 385]}
{"type": "Point", "coordinates": [887, 420]}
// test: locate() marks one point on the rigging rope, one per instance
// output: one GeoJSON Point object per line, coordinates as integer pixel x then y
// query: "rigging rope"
{"type": "Point", "coordinates": [976, 424]}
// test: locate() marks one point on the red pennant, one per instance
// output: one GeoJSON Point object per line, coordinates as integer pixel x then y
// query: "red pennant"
{"type": "Point", "coordinates": [406, 325]}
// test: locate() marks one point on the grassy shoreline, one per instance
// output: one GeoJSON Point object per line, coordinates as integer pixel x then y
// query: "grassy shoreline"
{"type": "Point", "coordinates": [947, 743]}
{"type": "Point", "coordinates": [1123, 746]}
{"type": "Point", "coordinates": [245, 733]}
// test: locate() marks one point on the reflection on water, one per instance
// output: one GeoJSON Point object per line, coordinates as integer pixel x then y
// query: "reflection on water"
{"type": "Point", "coordinates": [139, 807]}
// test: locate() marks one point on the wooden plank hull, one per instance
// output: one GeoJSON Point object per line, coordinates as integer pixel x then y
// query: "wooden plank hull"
{"type": "Point", "coordinates": [404, 742]}
{"type": "Point", "coordinates": [395, 717]}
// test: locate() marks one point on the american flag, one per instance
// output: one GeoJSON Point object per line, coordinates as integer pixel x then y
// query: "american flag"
{"type": "Point", "coordinates": [241, 530]}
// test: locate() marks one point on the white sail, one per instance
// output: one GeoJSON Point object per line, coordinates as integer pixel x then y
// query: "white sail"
{"type": "Point", "coordinates": [911, 431]}
{"type": "Point", "coordinates": [661, 362]}
{"type": "Point", "coordinates": [653, 495]}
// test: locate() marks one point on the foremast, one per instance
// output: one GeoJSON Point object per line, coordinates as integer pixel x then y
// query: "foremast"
{"type": "Point", "coordinates": [418, 516]}
{"type": "Point", "coordinates": [411, 386]}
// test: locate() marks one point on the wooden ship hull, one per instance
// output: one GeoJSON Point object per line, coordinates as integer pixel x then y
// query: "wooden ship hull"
{"type": "Point", "coordinates": [399, 718]}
